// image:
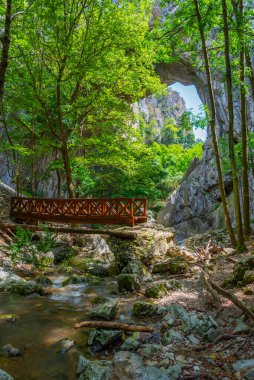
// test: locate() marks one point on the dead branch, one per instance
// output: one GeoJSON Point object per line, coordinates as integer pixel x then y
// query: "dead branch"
{"type": "Point", "coordinates": [214, 294]}
{"type": "Point", "coordinates": [232, 298]}
{"type": "Point", "coordinates": [114, 325]}
{"type": "Point", "coordinates": [86, 231]}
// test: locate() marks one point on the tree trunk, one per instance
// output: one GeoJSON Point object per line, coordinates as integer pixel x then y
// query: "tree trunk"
{"type": "Point", "coordinates": [64, 148]}
{"type": "Point", "coordinates": [58, 174]}
{"type": "Point", "coordinates": [246, 194]}
{"type": "Point", "coordinates": [213, 129]}
{"type": "Point", "coordinates": [231, 128]}
{"type": "Point", "coordinates": [67, 167]}
{"type": "Point", "coordinates": [249, 64]}
{"type": "Point", "coordinates": [5, 50]}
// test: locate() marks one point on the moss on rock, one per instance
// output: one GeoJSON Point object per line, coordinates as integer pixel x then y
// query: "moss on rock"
{"type": "Point", "coordinates": [172, 266]}
{"type": "Point", "coordinates": [156, 291]}
{"type": "Point", "coordinates": [128, 282]}
{"type": "Point", "coordinates": [143, 309]}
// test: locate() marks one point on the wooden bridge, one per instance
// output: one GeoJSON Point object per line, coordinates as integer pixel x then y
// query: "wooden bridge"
{"type": "Point", "coordinates": [128, 211]}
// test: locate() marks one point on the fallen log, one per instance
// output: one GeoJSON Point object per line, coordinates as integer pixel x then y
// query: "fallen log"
{"type": "Point", "coordinates": [114, 325]}
{"type": "Point", "coordinates": [232, 298]}
{"type": "Point", "coordinates": [86, 231]}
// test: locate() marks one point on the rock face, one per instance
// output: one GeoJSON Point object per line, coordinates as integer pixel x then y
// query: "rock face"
{"type": "Point", "coordinates": [196, 205]}
{"type": "Point", "coordinates": [6, 193]}
{"type": "Point", "coordinates": [158, 109]}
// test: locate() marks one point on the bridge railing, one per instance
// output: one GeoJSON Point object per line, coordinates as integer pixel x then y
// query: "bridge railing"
{"type": "Point", "coordinates": [79, 210]}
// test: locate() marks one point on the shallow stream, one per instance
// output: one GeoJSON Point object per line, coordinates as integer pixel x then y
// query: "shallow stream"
{"type": "Point", "coordinates": [44, 321]}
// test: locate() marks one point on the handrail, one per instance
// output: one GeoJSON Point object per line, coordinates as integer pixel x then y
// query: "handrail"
{"type": "Point", "coordinates": [81, 210]}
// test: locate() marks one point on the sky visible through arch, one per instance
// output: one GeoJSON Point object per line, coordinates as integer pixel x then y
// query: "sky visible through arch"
{"type": "Point", "coordinates": [193, 102]}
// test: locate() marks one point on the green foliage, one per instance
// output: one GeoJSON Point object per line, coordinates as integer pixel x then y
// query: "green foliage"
{"type": "Point", "coordinates": [23, 239]}
{"type": "Point", "coordinates": [74, 72]}
{"type": "Point", "coordinates": [47, 241]}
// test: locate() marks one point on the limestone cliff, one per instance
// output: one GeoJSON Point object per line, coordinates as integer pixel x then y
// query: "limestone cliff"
{"type": "Point", "coordinates": [196, 205]}
{"type": "Point", "coordinates": [157, 109]}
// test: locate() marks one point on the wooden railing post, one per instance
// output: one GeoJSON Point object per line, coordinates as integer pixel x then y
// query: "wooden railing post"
{"type": "Point", "coordinates": [132, 212]}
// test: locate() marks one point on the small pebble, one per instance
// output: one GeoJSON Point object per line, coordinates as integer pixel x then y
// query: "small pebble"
{"type": "Point", "coordinates": [10, 351]}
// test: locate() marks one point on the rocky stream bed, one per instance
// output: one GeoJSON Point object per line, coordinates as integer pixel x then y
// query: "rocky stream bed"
{"type": "Point", "coordinates": [149, 281]}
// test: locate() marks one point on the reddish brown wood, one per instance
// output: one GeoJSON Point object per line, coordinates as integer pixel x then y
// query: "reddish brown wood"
{"type": "Point", "coordinates": [10, 229]}
{"type": "Point", "coordinates": [77, 210]}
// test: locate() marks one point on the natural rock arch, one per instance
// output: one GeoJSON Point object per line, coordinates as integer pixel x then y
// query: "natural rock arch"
{"type": "Point", "coordinates": [195, 205]}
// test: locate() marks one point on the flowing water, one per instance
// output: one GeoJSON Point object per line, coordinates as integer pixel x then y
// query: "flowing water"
{"type": "Point", "coordinates": [41, 323]}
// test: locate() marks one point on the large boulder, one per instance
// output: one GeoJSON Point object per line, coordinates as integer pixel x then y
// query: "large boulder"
{"type": "Point", "coordinates": [11, 283]}
{"type": "Point", "coordinates": [129, 366]}
{"type": "Point", "coordinates": [158, 290]}
{"type": "Point", "coordinates": [62, 252]}
{"type": "Point", "coordinates": [152, 244]}
{"type": "Point", "coordinates": [144, 309]}
{"type": "Point", "coordinates": [128, 282]}
{"type": "Point", "coordinates": [190, 321]}
{"type": "Point", "coordinates": [172, 266]}
{"type": "Point", "coordinates": [99, 339]}
{"type": "Point", "coordinates": [138, 268]}
{"type": "Point", "coordinates": [92, 370]}
{"type": "Point", "coordinates": [106, 311]}
{"type": "Point", "coordinates": [94, 257]}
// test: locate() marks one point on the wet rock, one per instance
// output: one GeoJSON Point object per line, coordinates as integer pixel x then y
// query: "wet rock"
{"type": "Point", "coordinates": [99, 339]}
{"type": "Point", "coordinates": [128, 282]}
{"type": "Point", "coordinates": [106, 311]}
{"type": "Point", "coordinates": [11, 283]}
{"type": "Point", "coordinates": [66, 345]}
{"type": "Point", "coordinates": [44, 281]}
{"type": "Point", "coordinates": [5, 376]}
{"type": "Point", "coordinates": [98, 268]}
{"type": "Point", "coordinates": [98, 300]}
{"type": "Point", "coordinates": [81, 279]}
{"type": "Point", "coordinates": [62, 252]}
{"type": "Point", "coordinates": [10, 351]}
{"type": "Point", "coordinates": [243, 364]}
{"type": "Point", "coordinates": [156, 291]}
{"type": "Point", "coordinates": [143, 309]}
{"type": "Point", "coordinates": [92, 370]}
{"type": "Point", "coordinates": [171, 266]}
